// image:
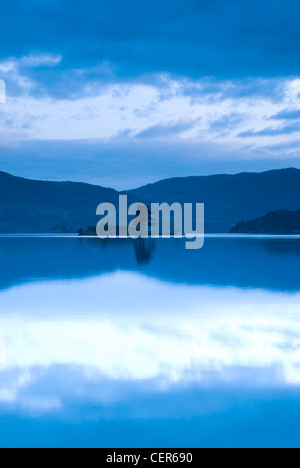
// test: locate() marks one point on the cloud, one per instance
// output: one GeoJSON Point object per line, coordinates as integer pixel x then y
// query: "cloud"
{"type": "Point", "coordinates": [151, 111]}
{"type": "Point", "coordinates": [112, 134]}
{"type": "Point", "coordinates": [226, 123]}
{"type": "Point", "coordinates": [223, 39]}
{"type": "Point", "coordinates": [282, 130]}
{"type": "Point", "coordinates": [20, 74]}
{"type": "Point", "coordinates": [174, 78]}
{"type": "Point", "coordinates": [165, 129]}
{"type": "Point", "coordinates": [39, 60]}
{"type": "Point", "coordinates": [287, 114]}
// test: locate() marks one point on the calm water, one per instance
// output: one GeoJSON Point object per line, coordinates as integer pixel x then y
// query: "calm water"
{"type": "Point", "coordinates": [129, 344]}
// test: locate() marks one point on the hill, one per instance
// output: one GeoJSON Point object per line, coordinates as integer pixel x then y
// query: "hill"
{"type": "Point", "coordinates": [277, 222]}
{"type": "Point", "coordinates": [230, 198]}
{"type": "Point", "coordinates": [32, 206]}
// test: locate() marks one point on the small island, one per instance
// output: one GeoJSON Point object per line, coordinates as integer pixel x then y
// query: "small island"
{"type": "Point", "coordinates": [90, 231]}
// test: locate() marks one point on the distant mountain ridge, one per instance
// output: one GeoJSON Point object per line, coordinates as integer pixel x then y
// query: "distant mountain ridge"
{"type": "Point", "coordinates": [31, 206]}
{"type": "Point", "coordinates": [230, 198]}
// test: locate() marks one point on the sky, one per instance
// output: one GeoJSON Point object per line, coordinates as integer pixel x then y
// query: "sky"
{"type": "Point", "coordinates": [126, 92]}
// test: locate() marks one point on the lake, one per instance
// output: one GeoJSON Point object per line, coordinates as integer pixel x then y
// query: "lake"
{"type": "Point", "coordinates": [123, 343]}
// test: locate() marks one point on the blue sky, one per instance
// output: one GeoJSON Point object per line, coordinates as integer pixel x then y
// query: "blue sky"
{"type": "Point", "coordinates": [125, 92]}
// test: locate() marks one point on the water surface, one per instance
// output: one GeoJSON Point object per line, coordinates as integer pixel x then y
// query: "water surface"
{"type": "Point", "coordinates": [123, 343]}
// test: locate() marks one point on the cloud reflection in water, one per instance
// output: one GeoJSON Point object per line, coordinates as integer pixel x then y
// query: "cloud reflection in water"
{"type": "Point", "coordinates": [129, 328]}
